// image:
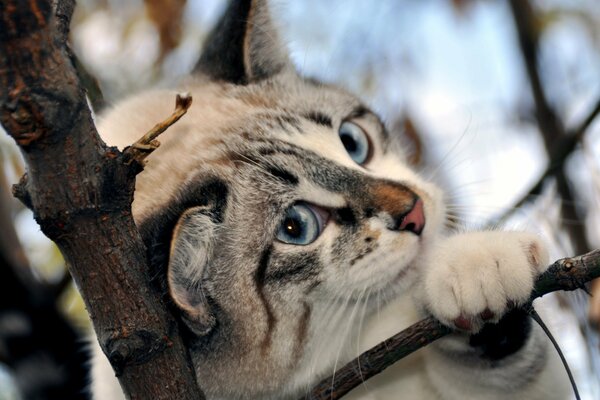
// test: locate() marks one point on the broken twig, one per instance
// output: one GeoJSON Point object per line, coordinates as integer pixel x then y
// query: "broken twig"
{"type": "Point", "coordinates": [147, 144]}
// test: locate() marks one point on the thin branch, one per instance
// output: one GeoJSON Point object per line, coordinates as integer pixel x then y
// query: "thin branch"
{"type": "Point", "coordinates": [564, 274]}
{"type": "Point", "coordinates": [550, 125]}
{"type": "Point", "coordinates": [560, 144]}
{"type": "Point", "coordinates": [585, 124]}
{"type": "Point", "coordinates": [561, 150]}
{"type": "Point", "coordinates": [528, 34]}
{"type": "Point", "coordinates": [147, 143]}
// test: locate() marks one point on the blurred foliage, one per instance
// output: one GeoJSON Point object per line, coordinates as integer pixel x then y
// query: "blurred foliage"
{"type": "Point", "coordinates": [166, 15]}
{"type": "Point", "coordinates": [71, 304]}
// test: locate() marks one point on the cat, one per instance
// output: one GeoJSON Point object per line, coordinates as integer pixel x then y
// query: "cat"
{"type": "Point", "coordinates": [292, 235]}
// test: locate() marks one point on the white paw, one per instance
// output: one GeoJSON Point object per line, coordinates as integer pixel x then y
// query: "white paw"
{"type": "Point", "coordinates": [476, 277]}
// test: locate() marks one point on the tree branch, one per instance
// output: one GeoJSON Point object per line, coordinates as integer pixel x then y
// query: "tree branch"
{"type": "Point", "coordinates": [564, 274]}
{"type": "Point", "coordinates": [550, 125]}
{"type": "Point", "coordinates": [81, 191]}
{"type": "Point", "coordinates": [560, 152]}
{"type": "Point", "coordinates": [559, 143]}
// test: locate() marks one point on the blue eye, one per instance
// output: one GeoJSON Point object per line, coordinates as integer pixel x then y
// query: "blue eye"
{"type": "Point", "coordinates": [355, 142]}
{"type": "Point", "coordinates": [301, 225]}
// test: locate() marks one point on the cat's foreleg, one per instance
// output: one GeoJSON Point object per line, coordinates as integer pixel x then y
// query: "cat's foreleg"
{"type": "Point", "coordinates": [475, 282]}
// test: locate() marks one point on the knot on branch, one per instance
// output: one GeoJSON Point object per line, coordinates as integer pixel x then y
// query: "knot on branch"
{"type": "Point", "coordinates": [22, 116]}
{"type": "Point", "coordinates": [568, 274]}
{"type": "Point", "coordinates": [133, 348]}
{"type": "Point", "coordinates": [19, 190]}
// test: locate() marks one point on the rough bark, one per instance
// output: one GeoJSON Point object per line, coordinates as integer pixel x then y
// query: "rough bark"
{"type": "Point", "coordinates": [81, 191]}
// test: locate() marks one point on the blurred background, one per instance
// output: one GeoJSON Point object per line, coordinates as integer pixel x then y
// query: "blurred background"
{"type": "Point", "coordinates": [496, 99]}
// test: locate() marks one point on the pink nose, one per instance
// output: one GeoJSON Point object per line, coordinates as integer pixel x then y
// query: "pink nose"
{"type": "Point", "coordinates": [414, 221]}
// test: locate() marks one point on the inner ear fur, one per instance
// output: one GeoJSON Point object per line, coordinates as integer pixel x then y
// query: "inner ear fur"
{"type": "Point", "coordinates": [244, 46]}
{"type": "Point", "coordinates": [190, 253]}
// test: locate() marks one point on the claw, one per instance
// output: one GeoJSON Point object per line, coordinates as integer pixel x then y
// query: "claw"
{"type": "Point", "coordinates": [463, 323]}
{"type": "Point", "coordinates": [487, 314]}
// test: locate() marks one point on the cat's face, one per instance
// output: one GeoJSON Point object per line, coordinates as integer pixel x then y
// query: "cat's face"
{"type": "Point", "coordinates": [279, 207]}
{"type": "Point", "coordinates": [290, 215]}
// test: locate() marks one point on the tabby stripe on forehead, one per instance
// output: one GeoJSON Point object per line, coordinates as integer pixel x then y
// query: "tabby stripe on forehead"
{"type": "Point", "coordinates": [319, 118]}
{"type": "Point", "coordinates": [276, 171]}
{"type": "Point", "coordinates": [359, 111]}
{"type": "Point", "coordinates": [259, 281]}
{"type": "Point", "coordinates": [288, 123]}
{"type": "Point", "coordinates": [283, 175]}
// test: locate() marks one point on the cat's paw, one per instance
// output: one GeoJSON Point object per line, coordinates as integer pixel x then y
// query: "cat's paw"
{"type": "Point", "coordinates": [475, 278]}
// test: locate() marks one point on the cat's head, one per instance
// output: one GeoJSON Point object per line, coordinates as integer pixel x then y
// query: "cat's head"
{"type": "Point", "coordinates": [279, 206]}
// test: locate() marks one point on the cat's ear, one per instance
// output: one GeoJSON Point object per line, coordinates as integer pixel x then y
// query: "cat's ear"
{"type": "Point", "coordinates": [244, 47]}
{"type": "Point", "coordinates": [191, 252]}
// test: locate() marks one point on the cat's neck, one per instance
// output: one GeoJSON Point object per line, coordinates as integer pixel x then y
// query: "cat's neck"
{"type": "Point", "coordinates": [352, 328]}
